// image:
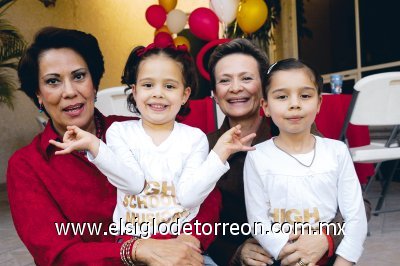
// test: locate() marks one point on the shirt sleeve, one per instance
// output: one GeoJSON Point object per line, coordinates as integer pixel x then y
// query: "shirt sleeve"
{"type": "Point", "coordinates": [257, 208]}
{"type": "Point", "coordinates": [352, 208]}
{"type": "Point", "coordinates": [116, 161]}
{"type": "Point", "coordinates": [34, 213]}
{"type": "Point", "coordinates": [200, 174]}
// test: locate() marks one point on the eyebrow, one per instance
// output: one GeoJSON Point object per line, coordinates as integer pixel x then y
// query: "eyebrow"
{"type": "Point", "coordinates": [151, 79]}
{"type": "Point", "coordinates": [51, 74]}
{"type": "Point", "coordinates": [284, 89]}
{"type": "Point", "coordinates": [309, 88]}
{"type": "Point", "coordinates": [171, 80]}
{"type": "Point", "coordinates": [58, 75]}
{"type": "Point", "coordinates": [78, 70]}
{"type": "Point", "coordinates": [240, 74]}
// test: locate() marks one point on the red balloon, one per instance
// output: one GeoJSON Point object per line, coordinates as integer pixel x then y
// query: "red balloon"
{"type": "Point", "coordinates": [202, 52]}
{"type": "Point", "coordinates": [204, 24]}
{"type": "Point", "coordinates": [163, 39]}
{"type": "Point", "coordinates": [156, 16]}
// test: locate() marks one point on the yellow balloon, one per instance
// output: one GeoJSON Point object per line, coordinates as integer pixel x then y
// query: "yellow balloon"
{"type": "Point", "coordinates": [168, 5]}
{"type": "Point", "coordinates": [251, 15]}
{"type": "Point", "coordinates": [162, 29]}
{"type": "Point", "coordinates": [180, 40]}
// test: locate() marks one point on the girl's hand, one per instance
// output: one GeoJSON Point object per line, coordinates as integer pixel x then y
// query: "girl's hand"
{"type": "Point", "coordinates": [308, 247]}
{"type": "Point", "coordinates": [252, 254]}
{"type": "Point", "coordinates": [76, 139]}
{"type": "Point", "coordinates": [231, 142]}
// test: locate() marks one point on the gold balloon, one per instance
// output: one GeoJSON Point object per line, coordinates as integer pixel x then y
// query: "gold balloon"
{"type": "Point", "coordinates": [180, 40]}
{"type": "Point", "coordinates": [162, 29]}
{"type": "Point", "coordinates": [168, 5]}
{"type": "Point", "coordinates": [251, 15]}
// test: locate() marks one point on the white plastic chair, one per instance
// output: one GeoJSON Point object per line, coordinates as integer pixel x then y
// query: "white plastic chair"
{"type": "Point", "coordinates": [220, 116]}
{"type": "Point", "coordinates": [112, 101]}
{"type": "Point", "coordinates": [376, 102]}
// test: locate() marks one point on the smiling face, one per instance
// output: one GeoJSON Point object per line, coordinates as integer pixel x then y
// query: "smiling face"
{"type": "Point", "coordinates": [159, 91]}
{"type": "Point", "coordinates": [293, 101]}
{"type": "Point", "coordinates": [238, 86]}
{"type": "Point", "coordinates": [66, 89]}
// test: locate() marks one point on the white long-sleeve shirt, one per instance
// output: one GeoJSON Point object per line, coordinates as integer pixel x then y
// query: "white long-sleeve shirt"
{"type": "Point", "coordinates": [280, 189]}
{"type": "Point", "coordinates": [179, 173]}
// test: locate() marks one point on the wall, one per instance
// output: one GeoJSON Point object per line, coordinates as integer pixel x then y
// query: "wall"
{"type": "Point", "coordinates": [118, 25]}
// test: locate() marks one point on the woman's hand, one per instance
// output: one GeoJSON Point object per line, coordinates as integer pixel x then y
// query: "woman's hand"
{"type": "Point", "coordinates": [231, 142]}
{"type": "Point", "coordinates": [76, 139]}
{"type": "Point", "coordinates": [253, 254]}
{"type": "Point", "coordinates": [191, 241]}
{"type": "Point", "coordinates": [308, 248]}
{"type": "Point", "coordinates": [155, 252]}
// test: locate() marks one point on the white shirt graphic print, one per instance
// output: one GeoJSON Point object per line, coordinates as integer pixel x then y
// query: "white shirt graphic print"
{"type": "Point", "coordinates": [180, 173]}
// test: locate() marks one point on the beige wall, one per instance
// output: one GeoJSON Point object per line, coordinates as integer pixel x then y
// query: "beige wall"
{"type": "Point", "coordinates": [119, 25]}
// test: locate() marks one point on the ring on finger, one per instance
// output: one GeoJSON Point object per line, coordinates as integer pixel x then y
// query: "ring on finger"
{"type": "Point", "coordinates": [302, 263]}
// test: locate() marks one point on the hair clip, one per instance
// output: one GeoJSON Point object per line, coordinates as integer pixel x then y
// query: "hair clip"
{"type": "Point", "coordinates": [182, 48]}
{"type": "Point", "coordinates": [142, 51]}
{"type": "Point", "coordinates": [271, 67]}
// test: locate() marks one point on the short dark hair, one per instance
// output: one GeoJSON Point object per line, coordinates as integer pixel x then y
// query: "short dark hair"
{"type": "Point", "coordinates": [239, 46]}
{"type": "Point", "coordinates": [84, 44]}
{"type": "Point", "coordinates": [289, 64]}
{"type": "Point", "coordinates": [139, 54]}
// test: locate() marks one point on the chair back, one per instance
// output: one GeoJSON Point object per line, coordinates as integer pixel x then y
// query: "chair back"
{"type": "Point", "coordinates": [112, 101]}
{"type": "Point", "coordinates": [41, 121]}
{"type": "Point", "coordinates": [377, 100]}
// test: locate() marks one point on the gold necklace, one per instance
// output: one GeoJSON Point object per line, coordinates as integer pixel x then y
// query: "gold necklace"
{"type": "Point", "coordinates": [305, 165]}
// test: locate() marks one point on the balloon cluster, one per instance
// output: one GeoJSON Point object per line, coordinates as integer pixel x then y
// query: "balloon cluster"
{"type": "Point", "coordinates": [204, 22]}
{"type": "Point", "coordinates": [250, 14]}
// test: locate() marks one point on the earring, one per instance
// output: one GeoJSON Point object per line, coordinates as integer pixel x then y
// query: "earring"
{"type": "Point", "coordinates": [41, 108]}
{"type": "Point", "coordinates": [95, 98]}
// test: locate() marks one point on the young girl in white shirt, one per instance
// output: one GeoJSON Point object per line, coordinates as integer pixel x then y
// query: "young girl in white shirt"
{"type": "Point", "coordinates": [290, 178]}
{"type": "Point", "coordinates": [161, 168]}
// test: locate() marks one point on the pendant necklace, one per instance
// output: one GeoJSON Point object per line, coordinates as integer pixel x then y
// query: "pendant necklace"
{"type": "Point", "coordinates": [305, 165]}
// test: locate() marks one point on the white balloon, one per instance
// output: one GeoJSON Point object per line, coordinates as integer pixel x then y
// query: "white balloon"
{"type": "Point", "coordinates": [176, 20]}
{"type": "Point", "coordinates": [226, 10]}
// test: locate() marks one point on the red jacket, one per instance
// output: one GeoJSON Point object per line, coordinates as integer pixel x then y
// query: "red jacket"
{"type": "Point", "coordinates": [45, 189]}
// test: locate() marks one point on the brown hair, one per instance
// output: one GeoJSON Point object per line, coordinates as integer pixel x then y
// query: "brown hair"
{"type": "Point", "coordinates": [181, 56]}
{"type": "Point", "coordinates": [84, 44]}
{"type": "Point", "coordinates": [289, 64]}
{"type": "Point", "coordinates": [239, 46]}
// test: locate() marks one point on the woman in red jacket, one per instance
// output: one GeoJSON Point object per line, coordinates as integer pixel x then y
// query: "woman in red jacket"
{"type": "Point", "coordinates": [62, 205]}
